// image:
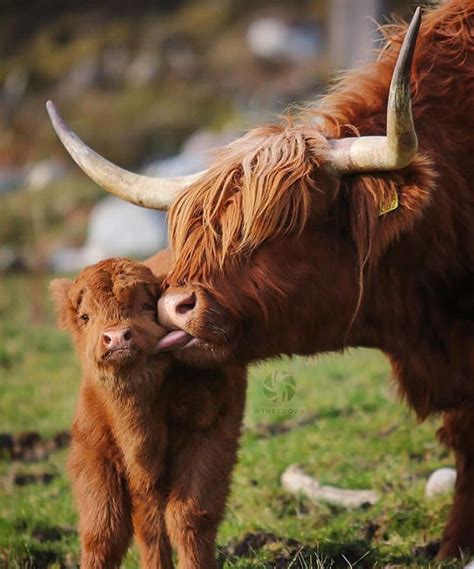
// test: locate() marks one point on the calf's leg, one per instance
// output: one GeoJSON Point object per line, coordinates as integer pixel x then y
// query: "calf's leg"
{"type": "Point", "coordinates": [103, 502]}
{"type": "Point", "coordinates": [150, 530]}
{"type": "Point", "coordinates": [458, 433]}
{"type": "Point", "coordinates": [201, 461]}
{"type": "Point", "coordinates": [196, 504]}
{"type": "Point", "coordinates": [195, 507]}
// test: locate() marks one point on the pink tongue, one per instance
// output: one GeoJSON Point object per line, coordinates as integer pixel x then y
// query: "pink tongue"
{"type": "Point", "coordinates": [175, 339]}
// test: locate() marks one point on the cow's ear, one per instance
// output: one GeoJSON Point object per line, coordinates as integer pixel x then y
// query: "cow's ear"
{"type": "Point", "coordinates": [60, 289]}
{"type": "Point", "coordinates": [384, 206]}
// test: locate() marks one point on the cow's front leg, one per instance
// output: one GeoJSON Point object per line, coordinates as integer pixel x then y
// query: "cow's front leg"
{"type": "Point", "coordinates": [458, 433]}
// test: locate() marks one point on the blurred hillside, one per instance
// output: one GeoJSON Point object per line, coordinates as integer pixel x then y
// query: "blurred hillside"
{"type": "Point", "coordinates": [151, 73]}
{"type": "Point", "coordinates": [136, 79]}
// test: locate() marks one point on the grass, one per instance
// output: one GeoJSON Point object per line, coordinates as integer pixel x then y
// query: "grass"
{"type": "Point", "coordinates": [343, 425]}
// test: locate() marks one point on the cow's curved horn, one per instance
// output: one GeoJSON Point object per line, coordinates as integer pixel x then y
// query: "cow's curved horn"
{"type": "Point", "coordinates": [154, 193]}
{"type": "Point", "coordinates": [399, 147]}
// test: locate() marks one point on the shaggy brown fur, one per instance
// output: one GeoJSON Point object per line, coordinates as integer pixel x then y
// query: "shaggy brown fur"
{"type": "Point", "coordinates": [153, 441]}
{"type": "Point", "coordinates": [280, 256]}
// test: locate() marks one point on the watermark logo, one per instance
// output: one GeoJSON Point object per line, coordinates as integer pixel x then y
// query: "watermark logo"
{"type": "Point", "coordinates": [279, 387]}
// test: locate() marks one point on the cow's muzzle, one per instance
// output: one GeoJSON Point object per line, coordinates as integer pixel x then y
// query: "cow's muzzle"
{"type": "Point", "coordinates": [177, 310]}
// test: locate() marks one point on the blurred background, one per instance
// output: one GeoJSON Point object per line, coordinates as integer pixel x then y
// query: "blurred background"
{"type": "Point", "coordinates": [152, 85]}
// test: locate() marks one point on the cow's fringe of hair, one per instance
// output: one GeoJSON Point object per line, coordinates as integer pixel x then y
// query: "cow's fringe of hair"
{"type": "Point", "coordinates": [259, 187]}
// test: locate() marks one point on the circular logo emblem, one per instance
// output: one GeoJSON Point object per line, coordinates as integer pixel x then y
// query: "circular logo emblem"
{"type": "Point", "coordinates": [279, 387]}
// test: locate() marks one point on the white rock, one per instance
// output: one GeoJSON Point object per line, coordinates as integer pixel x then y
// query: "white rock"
{"type": "Point", "coordinates": [179, 165]}
{"type": "Point", "coordinates": [84, 75]}
{"type": "Point", "coordinates": [144, 68]}
{"type": "Point", "coordinates": [195, 155]}
{"type": "Point", "coordinates": [69, 260]}
{"type": "Point", "coordinates": [272, 38]}
{"type": "Point", "coordinates": [117, 228]}
{"type": "Point", "coordinates": [440, 482]}
{"type": "Point", "coordinates": [121, 229]}
{"type": "Point", "coordinates": [294, 480]}
{"type": "Point", "coordinates": [115, 62]}
{"type": "Point", "coordinates": [43, 173]}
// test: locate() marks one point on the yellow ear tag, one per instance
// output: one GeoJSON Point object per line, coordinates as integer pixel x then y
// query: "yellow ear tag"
{"type": "Point", "coordinates": [389, 205]}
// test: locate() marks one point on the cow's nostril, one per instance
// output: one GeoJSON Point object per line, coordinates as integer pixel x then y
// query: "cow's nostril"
{"type": "Point", "coordinates": [107, 339]}
{"type": "Point", "coordinates": [127, 335]}
{"type": "Point", "coordinates": [187, 305]}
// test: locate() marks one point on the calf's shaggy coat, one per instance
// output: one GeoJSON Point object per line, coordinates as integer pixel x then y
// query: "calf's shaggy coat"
{"type": "Point", "coordinates": [153, 441]}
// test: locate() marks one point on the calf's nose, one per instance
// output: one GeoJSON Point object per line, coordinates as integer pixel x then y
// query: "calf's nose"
{"type": "Point", "coordinates": [175, 309]}
{"type": "Point", "coordinates": [117, 338]}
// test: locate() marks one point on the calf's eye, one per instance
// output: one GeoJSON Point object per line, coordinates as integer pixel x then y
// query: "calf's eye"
{"type": "Point", "coordinates": [85, 318]}
{"type": "Point", "coordinates": [148, 306]}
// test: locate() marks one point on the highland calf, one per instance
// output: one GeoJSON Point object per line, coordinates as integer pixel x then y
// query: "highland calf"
{"type": "Point", "coordinates": [153, 441]}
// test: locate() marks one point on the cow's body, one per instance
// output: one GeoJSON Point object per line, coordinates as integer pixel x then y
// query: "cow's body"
{"type": "Point", "coordinates": [311, 266]}
{"type": "Point", "coordinates": [153, 441]}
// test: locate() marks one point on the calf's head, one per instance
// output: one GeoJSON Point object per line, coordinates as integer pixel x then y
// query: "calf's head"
{"type": "Point", "coordinates": [110, 310]}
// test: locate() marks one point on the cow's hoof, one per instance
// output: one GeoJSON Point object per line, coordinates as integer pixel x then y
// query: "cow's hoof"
{"type": "Point", "coordinates": [450, 550]}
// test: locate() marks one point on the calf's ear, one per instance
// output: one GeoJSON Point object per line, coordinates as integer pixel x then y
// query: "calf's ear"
{"type": "Point", "coordinates": [60, 289]}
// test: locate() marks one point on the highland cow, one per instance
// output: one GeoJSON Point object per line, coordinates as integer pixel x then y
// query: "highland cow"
{"type": "Point", "coordinates": [350, 224]}
{"type": "Point", "coordinates": [153, 441]}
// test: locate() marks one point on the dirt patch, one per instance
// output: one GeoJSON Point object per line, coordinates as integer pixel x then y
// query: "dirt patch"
{"type": "Point", "coordinates": [43, 533]}
{"type": "Point", "coordinates": [24, 479]}
{"type": "Point", "coordinates": [331, 555]}
{"type": "Point", "coordinates": [286, 550]}
{"type": "Point", "coordinates": [298, 555]}
{"type": "Point", "coordinates": [267, 430]}
{"type": "Point", "coordinates": [51, 533]}
{"type": "Point", "coordinates": [428, 551]}
{"type": "Point", "coordinates": [252, 542]}
{"type": "Point", "coordinates": [370, 530]}
{"type": "Point", "coordinates": [19, 478]}
{"type": "Point", "coordinates": [37, 559]}
{"type": "Point", "coordinates": [388, 431]}
{"type": "Point", "coordinates": [30, 446]}
{"type": "Point", "coordinates": [43, 550]}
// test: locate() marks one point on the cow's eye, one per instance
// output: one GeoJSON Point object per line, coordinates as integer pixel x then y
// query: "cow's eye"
{"type": "Point", "coordinates": [147, 306]}
{"type": "Point", "coordinates": [84, 317]}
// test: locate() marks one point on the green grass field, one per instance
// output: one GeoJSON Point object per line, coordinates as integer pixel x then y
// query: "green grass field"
{"type": "Point", "coordinates": [343, 425]}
